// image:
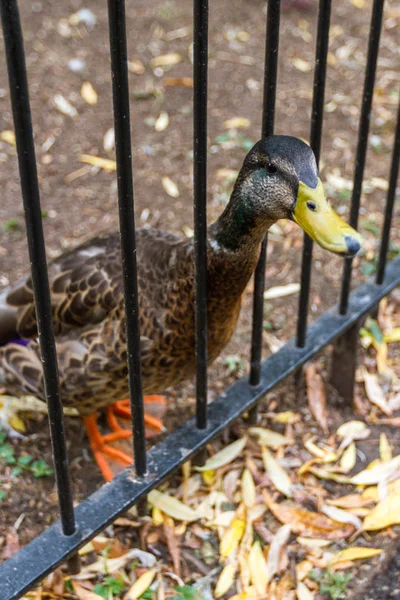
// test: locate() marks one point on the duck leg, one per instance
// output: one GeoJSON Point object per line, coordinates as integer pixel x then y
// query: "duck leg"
{"type": "Point", "coordinates": [102, 451]}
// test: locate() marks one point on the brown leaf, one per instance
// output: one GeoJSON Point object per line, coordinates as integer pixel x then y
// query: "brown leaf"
{"type": "Point", "coordinates": [178, 81]}
{"type": "Point", "coordinates": [114, 547]}
{"type": "Point", "coordinates": [174, 547]}
{"type": "Point", "coordinates": [316, 396]}
{"type": "Point", "coordinates": [83, 593]}
{"type": "Point", "coordinates": [12, 544]}
{"type": "Point", "coordinates": [306, 523]}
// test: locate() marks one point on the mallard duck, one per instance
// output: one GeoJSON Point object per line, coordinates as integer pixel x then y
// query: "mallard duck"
{"type": "Point", "coordinates": [278, 180]}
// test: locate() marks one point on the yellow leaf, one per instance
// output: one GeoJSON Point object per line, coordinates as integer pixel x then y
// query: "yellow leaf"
{"type": "Point", "coordinates": [208, 476]}
{"type": "Point", "coordinates": [276, 473]}
{"type": "Point", "coordinates": [303, 568]}
{"type": "Point", "coordinates": [281, 290]}
{"type": "Point", "coordinates": [324, 454]}
{"type": "Point", "coordinates": [358, 3]}
{"type": "Point", "coordinates": [355, 553]}
{"type": "Point", "coordinates": [17, 423]}
{"type": "Point", "coordinates": [141, 585]}
{"type": "Point", "coordinates": [170, 187]}
{"type": "Point", "coordinates": [267, 437]}
{"type": "Point", "coordinates": [286, 417]}
{"type": "Point", "coordinates": [166, 60]}
{"type": "Point", "coordinates": [232, 537]}
{"type": "Point", "coordinates": [371, 493]}
{"type": "Point", "coordinates": [83, 593]}
{"type": "Point", "coordinates": [88, 93]}
{"type": "Point", "coordinates": [349, 458]}
{"type": "Point", "coordinates": [248, 489]}
{"type": "Point", "coordinates": [136, 66]}
{"type": "Point", "coordinates": [225, 580]}
{"type": "Point", "coordinates": [303, 593]}
{"type": "Point", "coordinates": [301, 65]}
{"type": "Point", "coordinates": [329, 475]}
{"type": "Point", "coordinates": [8, 136]}
{"type": "Point", "coordinates": [258, 568]}
{"type": "Point", "coordinates": [237, 122]}
{"type": "Point", "coordinates": [225, 456]}
{"type": "Point", "coordinates": [385, 514]}
{"type": "Point", "coordinates": [385, 449]}
{"type": "Point", "coordinates": [157, 516]}
{"type": "Point", "coordinates": [162, 122]}
{"type": "Point", "coordinates": [377, 473]}
{"type": "Point", "coordinates": [391, 336]}
{"type": "Point", "coordinates": [172, 506]}
{"type": "Point", "coordinates": [97, 161]}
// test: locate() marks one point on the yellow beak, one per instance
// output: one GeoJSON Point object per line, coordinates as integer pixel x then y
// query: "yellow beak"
{"type": "Point", "coordinates": [315, 215]}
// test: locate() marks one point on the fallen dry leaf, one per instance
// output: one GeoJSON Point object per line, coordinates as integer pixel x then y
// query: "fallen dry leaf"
{"type": "Point", "coordinates": [141, 585]}
{"type": "Point", "coordinates": [258, 568]}
{"type": "Point", "coordinates": [279, 541]}
{"type": "Point", "coordinates": [8, 136]}
{"type": "Point", "coordinates": [385, 514]}
{"type": "Point", "coordinates": [97, 161]}
{"type": "Point", "coordinates": [281, 290]}
{"type": "Point", "coordinates": [83, 593]}
{"type": "Point", "coordinates": [225, 581]}
{"type": "Point", "coordinates": [109, 140]}
{"type": "Point", "coordinates": [349, 458]}
{"type": "Point", "coordinates": [162, 123]}
{"type": "Point", "coordinates": [136, 67]}
{"type": "Point", "coordinates": [385, 450]}
{"type": "Point", "coordinates": [64, 106]}
{"type": "Point", "coordinates": [267, 437]}
{"type": "Point", "coordinates": [377, 473]}
{"type": "Point", "coordinates": [170, 187]}
{"type": "Point", "coordinates": [88, 93]}
{"type": "Point", "coordinates": [174, 547]}
{"type": "Point", "coordinates": [236, 123]}
{"type": "Point", "coordinates": [224, 456]}
{"type": "Point", "coordinates": [355, 553]}
{"type": "Point", "coordinates": [166, 60]}
{"type": "Point", "coordinates": [12, 544]}
{"type": "Point", "coordinates": [316, 396]}
{"type": "Point", "coordinates": [341, 516]}
{"type": "Point", "coordinates": [375, 393]}
{"type": "Point", "coordinates": [276, 473]}
{"type": "Point", "coordinates": [306, 523]}
{"type": "Point", "coordinates": [301, 65]}
{"type": "Point", "coordinates": [232, 537]}
{"type": "Point", "coordinates": [303, 593]}
{"type": "Point", "coordinates": [172, 506]}
{"type": "Point", "coordinates": [178, 81]}
{"type": "Point", "coordinates": [248, 489]}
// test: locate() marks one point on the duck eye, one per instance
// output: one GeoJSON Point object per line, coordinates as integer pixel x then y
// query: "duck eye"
{"type": "Point", "coordinates": [271, 169]}
{"type": "Point", "coordinates": [311, 205]}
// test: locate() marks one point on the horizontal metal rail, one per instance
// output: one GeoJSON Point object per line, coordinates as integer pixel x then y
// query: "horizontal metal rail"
{"type": "Point", "coordinates": [52, 548]}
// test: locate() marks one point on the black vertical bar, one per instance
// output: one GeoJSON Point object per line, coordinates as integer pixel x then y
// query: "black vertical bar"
{"type": "Point", "coordinates": [394, 172]}
{"type": "Point", "coordinates": [37, 253]}
{"type": "Point", "coordinates": [324, 17]}
{"type": "Point", "coordinates": [270, 76]}
{"type": "Point", "coordinates": [200, 77]}
{"type": "Point", "coordinates": [372, 58]}
{"type": "Point", "coordinates": [119, 70]}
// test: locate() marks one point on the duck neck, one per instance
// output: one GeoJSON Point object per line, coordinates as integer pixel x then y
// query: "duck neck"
{"type": "Point", "coordinates": [235, 240]}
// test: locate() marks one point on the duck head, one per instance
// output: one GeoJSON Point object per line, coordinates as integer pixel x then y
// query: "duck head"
{"type": "Point", "coordinates": [280, 180]}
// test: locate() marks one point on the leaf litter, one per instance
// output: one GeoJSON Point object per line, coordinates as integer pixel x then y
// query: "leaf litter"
{"type": "Point", "coordinates": [230, 528]}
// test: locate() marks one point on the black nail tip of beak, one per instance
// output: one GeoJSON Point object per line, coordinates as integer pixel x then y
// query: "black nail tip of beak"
{"type": "Point", "coordinates": [352, 244]}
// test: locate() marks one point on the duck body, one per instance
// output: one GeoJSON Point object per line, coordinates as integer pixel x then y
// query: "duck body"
{"type": "Point", "coordinates": [88, 315]}
{"type": "Point", "coordinates": [278, 180]}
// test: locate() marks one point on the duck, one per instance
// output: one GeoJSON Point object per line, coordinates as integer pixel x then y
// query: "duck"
{"type": "Point", "coordinates": [279, 179]}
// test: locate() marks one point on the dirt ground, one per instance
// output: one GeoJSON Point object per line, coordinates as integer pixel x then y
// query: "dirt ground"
{"type": "Point", "coordinates": [79, 204]}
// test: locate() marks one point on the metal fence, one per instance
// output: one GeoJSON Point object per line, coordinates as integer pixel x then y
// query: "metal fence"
{"type": "Point", "coordinates": [61, 541]}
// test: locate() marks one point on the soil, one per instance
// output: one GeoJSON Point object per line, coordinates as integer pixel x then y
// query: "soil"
{"type": "Point", "coordinates": [78, 207]}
